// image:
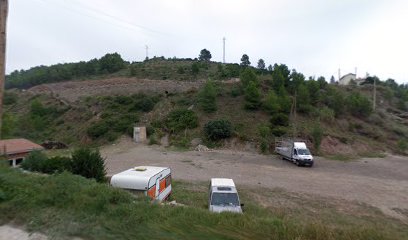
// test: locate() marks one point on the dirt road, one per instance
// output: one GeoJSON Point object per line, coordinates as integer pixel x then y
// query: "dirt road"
{"type": "Point", "coordinates": [380, 182]}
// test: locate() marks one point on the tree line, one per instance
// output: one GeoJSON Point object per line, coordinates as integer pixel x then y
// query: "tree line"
{"type": "Point", "coordinates": [110, 63]}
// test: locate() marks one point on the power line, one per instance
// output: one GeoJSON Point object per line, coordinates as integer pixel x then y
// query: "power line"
{"type": "Point", "coordinates": [98, 16]}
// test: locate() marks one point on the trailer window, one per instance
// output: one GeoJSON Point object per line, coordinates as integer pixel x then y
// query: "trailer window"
{"type": "Point", "coordinates": [168, 181]}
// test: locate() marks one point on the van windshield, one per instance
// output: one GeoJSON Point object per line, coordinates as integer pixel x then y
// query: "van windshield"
{"type": "Point", "coordinates": [303, 152]}
{"type": "Point", "coordinates": [224, 199]}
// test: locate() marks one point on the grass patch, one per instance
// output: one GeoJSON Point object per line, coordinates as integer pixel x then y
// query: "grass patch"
{"type": "Point", "coordinates": [341, 157]}
{"type": "Point", "coordinates": [373, 155]}
{"type": "Point", "coordinates": [66, 205]}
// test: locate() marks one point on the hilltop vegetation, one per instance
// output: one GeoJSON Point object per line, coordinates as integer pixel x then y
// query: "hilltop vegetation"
{"type": "Point", "coordinates": [254, 110]}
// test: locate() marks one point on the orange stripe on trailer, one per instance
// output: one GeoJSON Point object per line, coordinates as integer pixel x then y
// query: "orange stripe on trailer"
{"type": "Point", "coordinates": [162, 185]}
{"type": "Point", "coordinates": [152, 192]}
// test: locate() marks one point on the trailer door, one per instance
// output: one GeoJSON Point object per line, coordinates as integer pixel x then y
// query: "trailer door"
{"type": "Point", "coordinates": [157, 186]}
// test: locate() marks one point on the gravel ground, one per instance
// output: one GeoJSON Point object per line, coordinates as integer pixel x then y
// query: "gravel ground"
{"type": "Point", "coordinates": [379, 182]}
{"type": "Point", "coordinates": [8, 232]}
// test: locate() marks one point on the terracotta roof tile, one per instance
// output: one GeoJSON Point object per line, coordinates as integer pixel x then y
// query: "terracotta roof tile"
{"type": "Point", "coordinates": [12, 146]}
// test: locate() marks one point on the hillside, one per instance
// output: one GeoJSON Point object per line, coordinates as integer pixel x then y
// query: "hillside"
{"type": "Point", "coordinates": [99, 107]}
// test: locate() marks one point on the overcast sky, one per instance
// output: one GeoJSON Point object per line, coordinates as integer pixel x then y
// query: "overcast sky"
{"type": "Point", "coordinates": [315, 37]}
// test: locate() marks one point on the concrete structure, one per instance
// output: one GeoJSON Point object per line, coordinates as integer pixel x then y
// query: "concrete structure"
{"type": "Point", "coordinates": [346, 79]}
{"type": "Point", "coordinates": [15, 150]}
{"type": "Point", "coordinates": [139, 134]}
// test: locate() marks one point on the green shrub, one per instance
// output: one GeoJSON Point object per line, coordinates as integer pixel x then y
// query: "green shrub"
{"type": "Point", "coordinates": [326, 114]}
{"type": "Point", "coordinates": [34, 161]}
{"type": "Point", "coordinates": [145, 104]}
{"type": "Point", "coordinates": [252, 96]}
{"type": "Point", "coordinates": [271, 103]}
{"type": "Point", "coordinates": [98, 129]}
{"type": "Point", "coordinates": [247, 76]}
{"type": "Point", "coordinates": [56, 164]}
{"type": "Point", "coordinates": [10, 98]}
{"type": "Point", "coordinates": [264, 146]}
{"type": "Point", "coordinates": [218, 129]}
{"type": "Point", "coordinates": [181, 119]}
{"type": "Point", "coordinates": [207, 97]}
{"type": "Point", "coordinates": [236, 91]}
{"type": "Point", "coordinates": [317, 135]}
{"type": "Point", "coordinates": [359, 105]}
{"type": "Point", "coordinates": [280, 119]}
{"type": "Point", "coordinates": [123, 100]}
{"type": "Point", "coordinates": [279, 131]}
{"type": "Point", "coordinates": [88, 163]}
{"type": "Point", "coordinates": [402, 145]}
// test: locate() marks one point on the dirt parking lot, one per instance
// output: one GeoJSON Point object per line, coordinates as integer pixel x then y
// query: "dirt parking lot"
{"type": "Point", "coordinates": [379, 182]}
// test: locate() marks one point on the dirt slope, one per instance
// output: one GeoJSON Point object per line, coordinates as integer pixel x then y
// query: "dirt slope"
{"type": "Point", "coordinates": [73, 90]}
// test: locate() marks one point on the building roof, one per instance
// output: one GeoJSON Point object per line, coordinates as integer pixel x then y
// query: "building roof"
{"type": "Point", "coordinates": [348, 74]}
{"type": "Point", "coordinates": [21, 145]}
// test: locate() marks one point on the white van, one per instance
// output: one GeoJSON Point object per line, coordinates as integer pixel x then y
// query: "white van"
{"type": "Point", "coordinates": [296, 152]}
{"type": "Point", "coordinates": [154, 182]}
{"type": "Point", "coordinates": [223, 196]}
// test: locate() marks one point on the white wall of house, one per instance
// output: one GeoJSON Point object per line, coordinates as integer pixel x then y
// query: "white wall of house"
{"type": "Point", "coordinates": [345, 80]}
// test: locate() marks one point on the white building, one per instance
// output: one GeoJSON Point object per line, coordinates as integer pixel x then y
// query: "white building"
{"type": "Point", "coordinates": [346, 79]}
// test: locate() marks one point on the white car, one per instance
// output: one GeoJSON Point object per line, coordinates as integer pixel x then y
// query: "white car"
{"type": "Point", "coordinates": [223, 196]}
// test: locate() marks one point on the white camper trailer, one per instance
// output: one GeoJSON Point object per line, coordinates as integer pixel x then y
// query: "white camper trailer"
{"type": "Point", "coordinates": [154, 182]}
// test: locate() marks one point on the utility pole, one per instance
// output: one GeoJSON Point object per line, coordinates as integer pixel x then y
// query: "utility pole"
{"type": "Point", "coordinates": [223, 50]}
{"type": "Point", "coordinates": [374, 94]}
{"type": "Point", "coordinates": [3, 21]}
{"type": "Point", "coordinates": [147, 52]}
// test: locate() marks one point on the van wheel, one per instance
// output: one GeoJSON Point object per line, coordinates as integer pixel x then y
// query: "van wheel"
{"type": "Point", "coordinates": [297, 163]}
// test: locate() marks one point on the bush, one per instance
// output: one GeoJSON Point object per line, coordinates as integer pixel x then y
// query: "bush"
{"type": "Point", "coordinates": [317, 135]}
{"type": "Point", "coordinates": [98, 129]}
{"type": "Point", "coordinates": [359, 105]}
{"type": "Point", "coordinates": [402, 145]}
{"type": "Point", "coordinates": [34, 161]}
{"type": "Point", "coordinates": [56, 165]}
{"type": "Point", "coordinates": [279, 131]}
{"type": "Point", "coordinates": [10, 98]}
{"type": "Point", "coordinates": [280, 119]}
{"type": "Point", "coordinates": [89, 164]}
{"type": "Point", "coordinates": [181, 119]}
{"type": "Point", "coordinates": [327, 114]}
{"type": "Point", "coordinates": [236, 91]}
{"type": "Point", "coordinates": [252, 96]}
{"type": "Point", "coordinates": [145, 104]}
{"type": "Point", "coordinates": [207, 98]}
{"type": "Point", "coordinates": [271, 104]}
{"type": "Point", "coordinates": [218, 129]}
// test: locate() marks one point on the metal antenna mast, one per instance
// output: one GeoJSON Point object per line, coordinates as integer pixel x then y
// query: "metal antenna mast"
{"type": "Point", "coordinates": [223, 50]}
{"type": "Point", "coordinates": [374, 94]}
{"type": "Point", "coordinates": [147, 52]}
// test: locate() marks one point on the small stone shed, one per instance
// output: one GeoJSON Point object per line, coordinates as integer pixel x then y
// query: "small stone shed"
{"type": "Point", "coordinates": [15, 150]}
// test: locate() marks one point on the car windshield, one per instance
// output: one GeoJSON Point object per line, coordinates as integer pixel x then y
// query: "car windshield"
{"type": "Point", "coordinates": [303, 152]}
{"type": "Point", "coordinates": [225, 199]}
